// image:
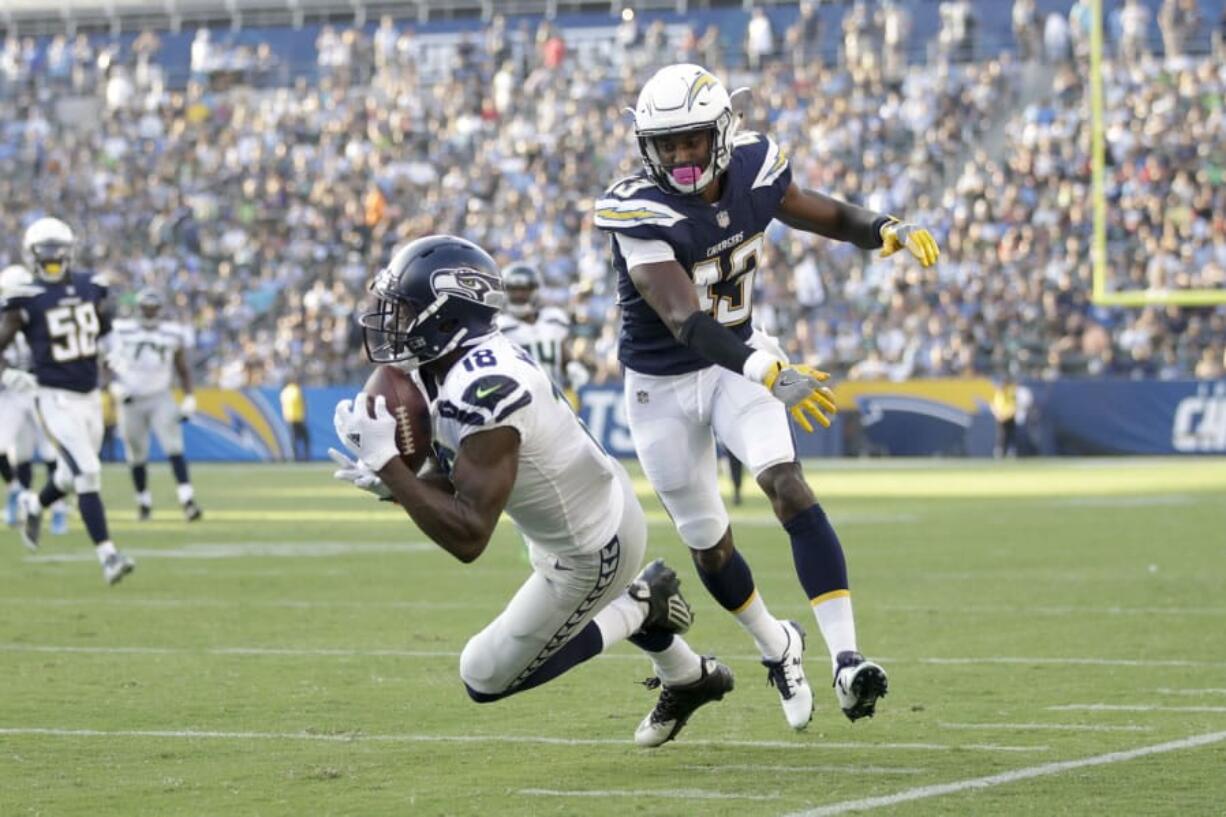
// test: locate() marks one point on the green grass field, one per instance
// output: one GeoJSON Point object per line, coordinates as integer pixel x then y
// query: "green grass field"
{"type": "Point", "coordinates": [296, 654]}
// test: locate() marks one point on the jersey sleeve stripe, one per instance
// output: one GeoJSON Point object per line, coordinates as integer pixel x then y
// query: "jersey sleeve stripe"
{"type": "Point", "coordinates": [772, 165]}
{"type": "Point", "coordinates": [614, 214]}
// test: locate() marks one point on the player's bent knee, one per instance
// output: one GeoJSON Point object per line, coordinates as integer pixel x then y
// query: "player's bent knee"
{"type": "Point", "coordinates": [63, 479]}
{"type": "Point", "coordinates": [88, 482]}
{"type": "Point", "coordinates": [702, 534]}
{"type": "Point", "coordinates": [479, 671]}
{"type": "Point", "coordinates": [785, 485]}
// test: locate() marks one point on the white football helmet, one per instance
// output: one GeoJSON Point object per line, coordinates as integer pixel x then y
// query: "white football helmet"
{"type": "Point", "coordinates": [48, 245]}
{"type": "Point", "coordinates": [678, 99]}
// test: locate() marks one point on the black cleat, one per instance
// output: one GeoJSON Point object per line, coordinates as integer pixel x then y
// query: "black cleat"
{"type": "Point", "coordinates": [678, 703]}
{"type": "Point", "coordinates": [31, 524]}
{"type": "Point", "coordinates": [192, 511]}
{"type": "Point", "coordinates": [660, 588]}
{"type": "Point", "coordinates": [858, 683]}
{"type": "Point", "coordinates": [144, 512]}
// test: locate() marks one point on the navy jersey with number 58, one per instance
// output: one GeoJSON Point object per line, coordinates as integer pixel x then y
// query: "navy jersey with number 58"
{"type": "Point", "coordinates": [720, 246]}
{"type": "Point", "coordinates": [62, 322]}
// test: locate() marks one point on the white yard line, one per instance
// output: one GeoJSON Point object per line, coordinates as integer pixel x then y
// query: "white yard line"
{"type": "Point", "coordinates": [1055, 610]}
{"type": "Point", "coordinates": [820, 769]}
{"type": "Point", "coordinates": [1132, 708]}
{"type": "Point", "coordinates": [249, 550]}
{"type": "Point", "coordinates": [1088, 662]}
{"type": "Point", "coordinates": [1209, 691]}
{"type": "Point", "coordinates": [619, 655]}
{"type": "Point", "coordinates": [667, 794]}
{"type": "Point", "coordinates": [198, 734]}
{"type": "Point", "coordinates": [975, 783]}
{"type": "Point", "coordinates": [1053, 727]}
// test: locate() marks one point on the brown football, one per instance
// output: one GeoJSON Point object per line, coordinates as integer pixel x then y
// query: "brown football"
{"type": "Point", "coordinates": [406, 403]}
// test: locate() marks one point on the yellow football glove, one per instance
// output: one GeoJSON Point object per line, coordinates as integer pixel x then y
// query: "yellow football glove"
{"type": "Point", "coordinates": [896, 234]}
{"type": "Point", "coordinates": [799, 388]}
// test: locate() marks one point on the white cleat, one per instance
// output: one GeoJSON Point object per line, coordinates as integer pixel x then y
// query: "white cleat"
{"type": "Point", "coordinates": [116, 567]}
{"type": "Point", "coordinates": [787, 676]}
{"type": "Point", "coordinates": [858, 683]}
{"type": "Point", "coordinates": [29, 524]}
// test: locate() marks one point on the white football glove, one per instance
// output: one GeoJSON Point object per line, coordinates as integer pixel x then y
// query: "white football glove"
{"type": "Point", "coordinates": [18, 380]}
{"type": "Point", "coordinates": [373, 439]}
{"type": "Point", "coordinates": [359, 474]}
{"type": "Point", "coordinates": [577, 375]}
{"type": "Point", "coordinates": [119, 392]}
{"type": "Point", "coordinates": [187, 408]}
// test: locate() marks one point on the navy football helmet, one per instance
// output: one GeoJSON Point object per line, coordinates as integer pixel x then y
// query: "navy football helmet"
{"type": "Point", "coordinates": [522, 283]}
{"type": "Point", "coordinates": [437, 293]}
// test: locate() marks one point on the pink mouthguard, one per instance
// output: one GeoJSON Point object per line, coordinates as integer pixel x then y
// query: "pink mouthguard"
{"type": "Point", "coordinates": [686, 174]}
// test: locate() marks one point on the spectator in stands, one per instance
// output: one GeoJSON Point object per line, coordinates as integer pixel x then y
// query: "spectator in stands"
{"type": "Point", "coordinates": [1026, 29]}
{"type": "Point", "coordinates": [759, 39]}
{"type": "Point", "coordinates": [1134, 30]}
{"type": "Point", "coordinates": [1178, 21]}
{"type": "Point", "coordinates": [1057, 39]}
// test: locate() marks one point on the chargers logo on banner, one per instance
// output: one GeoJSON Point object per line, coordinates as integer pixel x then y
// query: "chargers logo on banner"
{"type": "Point", "coordinates": [1199, 425]}
{"type": "Point", "coordinates": [922, 417]}
{"type": "Point", "coordinates": [237, 425]}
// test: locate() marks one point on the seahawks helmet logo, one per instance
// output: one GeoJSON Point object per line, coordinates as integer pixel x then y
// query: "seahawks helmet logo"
{"type": "Point", "coordinates": [471, 284]}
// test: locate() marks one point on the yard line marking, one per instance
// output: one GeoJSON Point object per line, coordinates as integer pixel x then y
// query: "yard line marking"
{"type": "Point", "coordinates": [1134, 501]}
{"type": "Point", "coordinates": [232, 550]}
{"type": "Point", "coordinates": [1054, 727]}
{"type": "Point", "coordinates": [1209, 691]}
{"type": "Point", "coordinates": [357, 737]}
{"type": "Point", "coordinates": [1057, 610]}
{"type": "Point", "coordinates": [825, 768]}
{"type": "Point", "coordinates": [238, 604]}
{"type": "Point", "coordinates": [675, 794]}
{"type": "Point", "coordinates": [1089, 662]}
{"type": "Point", "coordinates": [937, 790]}
{"type": "Point", "coordinates": [1132, 708]}
{"type": "Point", "coordinates": [346, 652]}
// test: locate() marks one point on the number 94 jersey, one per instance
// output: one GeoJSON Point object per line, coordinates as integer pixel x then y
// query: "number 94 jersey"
{"type": "Point", "coordinates": [720, 246]}
{"type": "Point", "coordinates": [62, 322]}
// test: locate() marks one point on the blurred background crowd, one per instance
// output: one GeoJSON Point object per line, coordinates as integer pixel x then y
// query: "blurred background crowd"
{"type": "Point", "coordinates": [261, 196]}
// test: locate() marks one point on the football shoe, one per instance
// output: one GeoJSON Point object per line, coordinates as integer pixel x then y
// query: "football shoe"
{"type": "Point", "coordinates": [678, 702]}
{"type": "Point", "coordinates": [858, 683]}
{"type": "Point", "coordinates": [787, 676]}
{"type": "Point", "coordinates": [659, 587]}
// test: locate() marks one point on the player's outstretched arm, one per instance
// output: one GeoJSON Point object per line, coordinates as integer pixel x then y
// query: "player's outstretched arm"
{"type": "Point", "coordinates": [670, 292]}
{"type": "Point", "coordinates": [483, 476]}
{"type": "Point", "coordinates": [16, 379]}
{"type": "Point", "coordinates": [817, 213]}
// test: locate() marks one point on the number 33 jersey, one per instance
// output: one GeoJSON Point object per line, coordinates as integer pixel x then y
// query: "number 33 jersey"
{"type": "Point", "coordinates": [719, 245]}
{"type": "Point", "coordinates": [568, 496]}
{"type": "Point", "coordinates": [62, 323]}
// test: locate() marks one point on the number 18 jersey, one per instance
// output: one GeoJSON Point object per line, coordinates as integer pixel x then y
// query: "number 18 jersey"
{"type": "Point", "coordinates": [62, 323]}
{"type": "Point", "coordinates": [720, 246]}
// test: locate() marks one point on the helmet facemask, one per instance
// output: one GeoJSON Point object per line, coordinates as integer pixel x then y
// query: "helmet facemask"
{"type": "Point", "coordinates": [50, 260]}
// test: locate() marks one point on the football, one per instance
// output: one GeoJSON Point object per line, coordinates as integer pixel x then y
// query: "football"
{"type": "Point", "coordinates": [406, 403]}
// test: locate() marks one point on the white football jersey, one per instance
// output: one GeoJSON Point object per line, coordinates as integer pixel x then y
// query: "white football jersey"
{"type": "Point", "coordinates": [544, 339]}
{"type": "Point", "coordinates": [143, 357]}
{"type": "Point", "coordinates": [567, 498]}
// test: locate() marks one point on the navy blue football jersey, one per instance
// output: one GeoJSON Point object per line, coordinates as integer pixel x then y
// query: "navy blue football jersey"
{"type": "Point", "coordinates": [62, 323]}
{"type": "Point", "coordinates": [720, 246]}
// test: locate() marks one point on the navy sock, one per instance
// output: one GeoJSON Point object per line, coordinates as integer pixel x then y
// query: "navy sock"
{"type": "Point", "coordinates": [140, 477]}
{"type": "Point", "coordinates": [50, 494]}
{"type": "Point", "coordinates": [586, 644]}
{"type": "Point", "coordinates": [737, 471]}
{"type": "Point", "coordinates": [25, 474]}
{"type": "Point", "coordinates": [90, 506]}
{"type": "Point", "coordinates": [732, 586]}
{"type": "Point", "coordinates": [6, 470]}
{"type": "Point", "coordinates": [816, 551]}
{"type": "Point", "coordinates": [652, 640]}
{"type": "Point", "coordinates": [179, 466]}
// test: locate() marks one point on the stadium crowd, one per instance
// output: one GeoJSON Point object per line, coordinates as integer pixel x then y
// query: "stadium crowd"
{"type": "Point", "coordinates": [262, 207]}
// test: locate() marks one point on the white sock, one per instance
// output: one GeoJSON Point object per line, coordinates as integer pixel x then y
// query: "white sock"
{"type": "Point", "coordinates": [765, 629]}
{"type": "Point", "coordinates": [104, 549]}
{"type": "Point", "coordinates": [838, 625]}
{"type": "Point", "coordinates": [677, 664]}
{"type": "Point", "coordinates": [185, 493]}
{"type": "Point", "coordinates": [33, 506]}
{"type": "Point", "coordinates": [621, 619]}
{"type": "Point", "coordinates": [144, 498]}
